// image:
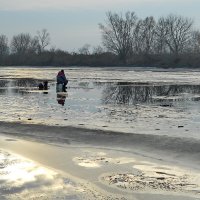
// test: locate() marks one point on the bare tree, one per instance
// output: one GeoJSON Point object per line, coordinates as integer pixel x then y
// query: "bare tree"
{"type": "Point", "coordinates": [97, 50]}
{"type": "Point", "coordinates": [33, 47]}
{"type": "Point", "coordinates": [117, 33]}
{"type": "Point", "coordinates": [144, 36]}
{"type": "Point", "coordinates": [195, 42]}
{"type": "Point", "coordinates": [85, 49]}
{"type": "Point", "coordinates": [24, 43]}
{"type": "Point", "coordinates": [137, 41]}
{"type": "Point", "coordinates": [161, 32]}
{"type": "Point", "coordinates": [4, 49]}
{"type": "Point", "coordinates": [43, 39]}
{"type": "Point", "coordinates": [178, 33]}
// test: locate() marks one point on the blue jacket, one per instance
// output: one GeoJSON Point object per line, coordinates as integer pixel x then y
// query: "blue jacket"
{"type": "Point", "coordinates": [61, 78]}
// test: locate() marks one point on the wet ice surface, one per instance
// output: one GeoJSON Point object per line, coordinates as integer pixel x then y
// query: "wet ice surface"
{"type": "Point", "coordinates": [23, 179]}
{"type": "Point", "coordinates": [140, 175]}
{"type": "Point", "coordinates": [133, 174]}
{"type": "Point", "coordinates": [147, 102]}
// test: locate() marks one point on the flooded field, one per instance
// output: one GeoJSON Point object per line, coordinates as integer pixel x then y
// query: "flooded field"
{"type": "Point", "coordinates": [124, 99]}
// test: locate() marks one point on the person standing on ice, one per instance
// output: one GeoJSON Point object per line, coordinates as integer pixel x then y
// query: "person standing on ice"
{"type": "Point", "coordinates": [61, 79]}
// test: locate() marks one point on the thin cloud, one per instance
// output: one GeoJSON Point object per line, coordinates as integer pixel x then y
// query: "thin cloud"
{"type": "Point", "coordinates": [69, 4]}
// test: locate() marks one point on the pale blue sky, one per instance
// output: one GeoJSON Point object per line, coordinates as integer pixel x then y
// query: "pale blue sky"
{"type": "Point", "coordinates": [73, 23]}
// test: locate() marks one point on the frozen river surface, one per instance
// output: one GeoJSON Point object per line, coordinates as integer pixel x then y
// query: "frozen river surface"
{"type": "Point", "coordinates": [162, 102]}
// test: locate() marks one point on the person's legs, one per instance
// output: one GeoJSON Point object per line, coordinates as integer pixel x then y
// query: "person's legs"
{"type": "Point", "coordinates": [64, 87]}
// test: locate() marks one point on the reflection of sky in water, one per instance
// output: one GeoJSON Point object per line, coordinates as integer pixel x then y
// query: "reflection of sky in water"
{"type": "Point", "coordinates": [23, 179]}
{"type": "Point", "coordinates": [133, 101]}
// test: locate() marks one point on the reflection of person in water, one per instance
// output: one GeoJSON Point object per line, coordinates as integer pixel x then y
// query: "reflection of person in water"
{"type": "Point", "coordinates": [61, 99]}
{"type": "Point", "coordinates": [61, 79]}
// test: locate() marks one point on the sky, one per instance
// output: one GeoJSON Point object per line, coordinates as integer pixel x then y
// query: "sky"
{"type": "Point", "coordinates": [74, 23]}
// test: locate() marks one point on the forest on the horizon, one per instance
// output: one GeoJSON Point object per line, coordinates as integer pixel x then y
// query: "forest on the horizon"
{"type": "Point", "coordinates": [127, 40]}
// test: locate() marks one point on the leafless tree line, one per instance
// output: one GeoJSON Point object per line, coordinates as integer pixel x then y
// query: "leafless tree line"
{"type": "Point", "coordinates": [127, 35]}
{"type": "Point", "coordinates": [126, 39]}
{"type": "Point", "coordinates": [24, 43]}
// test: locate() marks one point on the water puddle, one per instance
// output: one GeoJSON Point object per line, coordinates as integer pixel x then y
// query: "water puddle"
{"type": "Point", "coordinates": [24, 179]}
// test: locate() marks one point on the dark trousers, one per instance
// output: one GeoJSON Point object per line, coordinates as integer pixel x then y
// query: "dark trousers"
{"type": "Point", "coordinates": [64, 86]}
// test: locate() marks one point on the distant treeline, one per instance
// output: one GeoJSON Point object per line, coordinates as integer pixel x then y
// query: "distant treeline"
{"type": "Point", "coordinates": [170, 41]}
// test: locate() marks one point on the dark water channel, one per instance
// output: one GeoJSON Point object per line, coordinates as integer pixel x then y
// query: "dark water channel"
{"type": "Point", "coordinates": [138, 93]}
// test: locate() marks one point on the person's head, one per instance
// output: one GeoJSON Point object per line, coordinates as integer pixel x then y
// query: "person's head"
{"type": "Point", "coordinates": [62, 70]}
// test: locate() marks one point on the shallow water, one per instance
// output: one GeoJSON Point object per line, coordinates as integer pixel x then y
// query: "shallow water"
{"type": "Point", "coordinates": [128, 100]}
{"type": "Point", "coordinates": [24, 179]}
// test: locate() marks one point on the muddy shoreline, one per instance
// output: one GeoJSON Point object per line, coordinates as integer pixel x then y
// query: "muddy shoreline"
{"type": "Point", "coordinates": [66, 134]}
{"type": "Point", "coordinates": [185, 149]}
